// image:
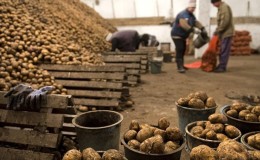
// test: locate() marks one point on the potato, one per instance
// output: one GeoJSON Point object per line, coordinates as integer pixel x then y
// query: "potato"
{"type": "Point", "coordinates": [254, 155]}
{"type": "Point", "coordinates": [129, 135]}
{"type": "Point", "coordinates": [211, 135]}
{"type": "Point", "coordinates": [163, 123]}
{"type": "Point", "coordinates": [204, 132]}
{"type": "Point", "coordinates": [232, 113]}
{"type": "Point", "coordinates": [160, 132]}
{"type": "Point", "coordinates": [256, 110]}
{"type": "Point", "coordinates": [142, 126]}
{"type": "Point", "coordinates": [238, 106]}
{"type": "Point", "coordinates": [90, 154]}
{"type": "Point", "coordinates": [112, 154]}
{"type": "Point", "coordinates": [196, 103]}
{"type": "Point", "coordinates": [200, 123]}
{"type": "Point", "coordinates": [251, 117]}
{"type": "Point", "coordinates": [170, 146]}
{"type": "Point", "coordinates": [201, 95]}
{"type": "Point", "coordinates": [173, 134]}
{"type": "Point", "coordinates": [183, 101]}
{"type": "Point", "coordinates": [134, 125]}
{"type": "Point", "coordinates": [232, 150]}
{"type": "Point", "coordinates": [153, 145]}
{"type": "Point", "coordinates": [217, 127]}
{"type": "Point", "coordinates": [242, 114]}
{"type": "Point", "coordinates": [222, 137]}
{"type": "Point", "coordinates": [143, 134]}
{"type": "Point", "coordinates": [203, 152]}
{"type": "Point", "coordinates": [72, 154]}
{"type": "Point", "coordinates": [254, 141]}
{"type": "Point", "coordinates": [197, 131]}
{"type": "Point", "coordinates": [191, 95]}
{"type": "Point", "coordinates": [134, 144]}
{"type": "Point", "coordinates": [231, 131]}
{"type": "Point", "coordinates": [217, 118]}
{"type": "Point", "coordinates": [210, 102]}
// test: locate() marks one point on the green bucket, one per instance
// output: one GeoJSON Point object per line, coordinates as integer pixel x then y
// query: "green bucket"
{"type": "Point", "coordinates": [156, 67]}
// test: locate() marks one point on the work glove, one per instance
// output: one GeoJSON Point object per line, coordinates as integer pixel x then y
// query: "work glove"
{"type": "Point", "coordinates": [17, 95]}
{"type": "Point", "coordinates": [36, 99]}
{"type": "Point", "coordinates": [204, 33]}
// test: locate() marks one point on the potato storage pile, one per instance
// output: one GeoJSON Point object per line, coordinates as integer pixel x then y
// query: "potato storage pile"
{"type": "Point", "coordinates": [58, 32]}
{"type": "Point", "coordinates": [244, 112]}
{"type": "Point", "coordinates": [153, 139]}
{"type": "Point", "coordinates": [198, 100]}
{"type": "Point", "coordinates": [241, 43]}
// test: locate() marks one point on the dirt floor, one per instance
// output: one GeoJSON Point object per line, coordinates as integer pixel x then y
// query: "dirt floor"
{"type": "Point", "coordinates": [155, 97]}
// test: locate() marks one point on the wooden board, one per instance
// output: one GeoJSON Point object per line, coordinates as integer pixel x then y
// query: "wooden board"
{"type": "Point", "coordinates": [126, 65]}
{"type": "Point", "coordinates": [100, 94]}
{"type": "Point", "coordinates": [96, 102]}
{"type": "Point", "coordinates": [16, 154]}
{"type": "Point", "coordinates": [121, 59]}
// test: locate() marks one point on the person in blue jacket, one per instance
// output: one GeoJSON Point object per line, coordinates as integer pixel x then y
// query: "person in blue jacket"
{"type": "Point", "coordinates": [181, 28]}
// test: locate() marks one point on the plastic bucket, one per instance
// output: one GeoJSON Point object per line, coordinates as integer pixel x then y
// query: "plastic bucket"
{"type": "Point", "coordinates": [243, 140]}
{"type": "Point", "coordinates": [193, 141]}
{"type": "Point", "coordinates": [187, 115]}
{"type": "Point", "coordinates": [200, 41]}
{"type": "Point", "coordinates": [243, 126]}
{"type": "Point", "coordinates": [98, 129]}
{"type": "Point", "coordinates": [132, 154]}
{"type": "Point", "coordinates": [156, 67]}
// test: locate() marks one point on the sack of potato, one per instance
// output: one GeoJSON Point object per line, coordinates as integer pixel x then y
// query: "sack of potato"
{"type": "Point", "coordinates": [158, 139]}
{"type": "Point", "coordinates": [229, 150]}
{"type": "Point", "coordinates": [91, 154]}
{"type": "Point", "coordinates": [197, 100]}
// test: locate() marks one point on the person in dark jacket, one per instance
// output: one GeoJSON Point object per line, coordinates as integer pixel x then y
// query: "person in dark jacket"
{"type": "Point", "coordinates": [130, 40]}
{"type": "Point", "coordinates": [182, 27]}
{"type": "Point", "coordinates": [225, 31]}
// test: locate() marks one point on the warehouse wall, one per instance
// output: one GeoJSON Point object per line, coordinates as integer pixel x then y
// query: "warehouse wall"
{"type": "Point", "coordinates": [169, 9]}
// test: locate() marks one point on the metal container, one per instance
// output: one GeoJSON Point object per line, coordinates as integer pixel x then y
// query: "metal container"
{"type": "Point", "coordinates": [187, 115]}
{"type": "Point", "coordinates": [132, 154]}
{"type": "Point", "coordinates": [98, 129]}
{"type": "Point", "coordinates": [243, 140]}
{"type": "Point", "coordinates": [243, 126]}
{"type": "Point", "coordinates": [193, 141]}
{"type": "Point", "coordinates": [200, 41]}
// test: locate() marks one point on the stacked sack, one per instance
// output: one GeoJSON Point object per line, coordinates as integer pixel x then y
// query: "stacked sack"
{"type": "Point", "coordinates": [241, 43]}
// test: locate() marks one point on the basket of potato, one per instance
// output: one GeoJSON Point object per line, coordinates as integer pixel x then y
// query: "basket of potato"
{"type": "Point", "coordinates": [211, 132]}
{"type": "Point", "coordinates": [251, 140]}
{"type": "Point", "coordinates": [150, 142]}
{"type": "Point", "coordinates": [194, 107]}
{"type": "Point", "coordinates": [244, 116]}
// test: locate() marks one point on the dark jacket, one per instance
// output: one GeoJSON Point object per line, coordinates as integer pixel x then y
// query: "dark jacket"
{"type": "Point", "coordinates": [125, 41]}
{"type": "Point", "coordinates": [180, 31]}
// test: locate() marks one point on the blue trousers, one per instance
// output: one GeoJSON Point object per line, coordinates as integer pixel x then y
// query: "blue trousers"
{"type": "Point", "coordinates": [224, 52]}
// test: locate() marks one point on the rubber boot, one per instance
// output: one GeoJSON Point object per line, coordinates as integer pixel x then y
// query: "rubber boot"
{"type": "Point", "coordinates": [180, 65]}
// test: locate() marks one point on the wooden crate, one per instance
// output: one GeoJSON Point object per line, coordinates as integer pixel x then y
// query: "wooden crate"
{"type": "Point", "coordinates": [99, 87]}
{"type": "Point", "coordinates": [23, 133]}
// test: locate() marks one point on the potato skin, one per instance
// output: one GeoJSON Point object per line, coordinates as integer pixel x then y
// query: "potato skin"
{"type": "Point", "coordinates": [112, 154]}
{"type": "Point", "coordinates": [173, 134]}
{"type": "Point", "coordinates": [144, 134]}
{"type": "Point", "coordinates": [217, 118]}
{"type": "Point", "coordinates": [163, 123]}
{"type": "Point", "coordinates": [231, 131]}
{"type": "Point", "coordinates": [129, 135]}
{"type": "Point", "coordinates": [134, 144]}
{"type": "Point", "coordinates": [170, 146]}
{"type": "Point", "coordinates": [210, 102]}
{"type": "Point", "coordinates": [183, 102]}
{"type": "Point", "coordinates": [196, 103]}
{"type": "Point", "coordinates": [203, 152]}
{"type": "Point", "coordinates": [72, 154]}
{"type": "Point", "coordinates": [232, 113]}
{"type": "Point", "coordinates": [134, 125]}
{"type": "Point", "coordinates": [90, 154]}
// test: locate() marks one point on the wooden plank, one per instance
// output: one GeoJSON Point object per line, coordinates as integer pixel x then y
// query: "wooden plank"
{"type": "Point", "coordinates": [53, 100]}
{"type": "Point", "coordinates": [89, 75]}
{"type": "Point", "coordinates": [31, 118]}
{"type": "Point", "coordinates": [118, 58]}
{"type": "Point", "coordinates": [137, 21]}
{"type": "Point", "coordinates": [16, 154]}
{"type": "Point", "coordinates": [101, 94]}
{"type": "Point", "coordinates": [141, 53]}
{"type": "Point", "coordinates": [60, 67]}
{"type": "Point", "coordinates": [98, 102]}
{"type": "Point", "coordinates": [28, 137]}
{"type": "Point", "coordinates": [90, 84]}
{"type": "Point", "coordinates": [126, 65]}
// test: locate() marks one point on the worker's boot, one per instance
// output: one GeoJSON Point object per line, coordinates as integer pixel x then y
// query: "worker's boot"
{"type": "Point", "coordinates": [180, 65]}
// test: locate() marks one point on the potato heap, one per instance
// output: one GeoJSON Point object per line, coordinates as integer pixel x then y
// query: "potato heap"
{"type": "Point", "coordinates": [215, 128]}
{"type": "Point", "coordinates": [58, 32]}
{"type": "Point", "coordinates": [244, 112]}
{"type": "Point", "coordinates": [91, 154]}
{"type": "Point", "coordinates": [159, 139]}
{"type": "Point", "coordinates": [254, 141]}
{"type": "Point", "coordinates": [198, 100]}
{"type": "Point", "coordinates": [229, 150]}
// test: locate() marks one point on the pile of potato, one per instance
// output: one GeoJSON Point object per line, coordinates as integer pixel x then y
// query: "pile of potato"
{"type": "Point", "coordinates": [254, 141]}
{"type": "Point", "coordinates": [57, 32]}
{"type": "Point", "coordinates": [215, 128]}
{"type": "Point", "coordinates": [244, 112]}
{"type": "Point", "coordinates": [91, 154]}
{"type": "Point", "coordinates": [198, 100]}
{"type": "Point", "coordinates": [158, 139]}
{"type": "Point", "coordinates": [229, 150]}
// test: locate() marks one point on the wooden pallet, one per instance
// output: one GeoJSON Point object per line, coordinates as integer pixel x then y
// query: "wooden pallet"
{"type": "Point", "coordinates": [23, 133]}
{"type": "Point", "coordinates": [99, 87]}
{"type": "Point", "coordinates": [132, 65]}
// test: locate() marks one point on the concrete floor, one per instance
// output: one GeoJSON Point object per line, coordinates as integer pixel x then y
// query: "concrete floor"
{"type": "Point", "coordinates": [155, 97]}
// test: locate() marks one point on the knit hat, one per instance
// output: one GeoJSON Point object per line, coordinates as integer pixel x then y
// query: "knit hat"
{"type": "Point", "coordinates": [214, 1]}
{"type": "Point", "coordinates": [192, 3]}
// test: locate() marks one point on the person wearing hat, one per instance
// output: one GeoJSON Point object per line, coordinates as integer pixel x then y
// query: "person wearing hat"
{"type": "Point", "coordinates": [225, 31]}
{"type": "Point", "coordinates": [182, 27]}
{"type": "Point", "coordinates": [129, 40]}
